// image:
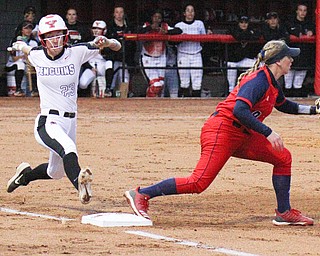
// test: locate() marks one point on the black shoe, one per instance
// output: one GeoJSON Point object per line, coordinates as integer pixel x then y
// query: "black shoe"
{"type": "Point", "coordinates": [16, 181]}
{"type": "Point", "coordinates": [108, 93]}
{"type": "Point", "coordinates": [34, 93]}
{"type": "Point", "coordinates": [196, 93]}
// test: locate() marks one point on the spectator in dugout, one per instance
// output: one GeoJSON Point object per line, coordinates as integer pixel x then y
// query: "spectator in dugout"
{"type": "Point", "coordinates": [17, 60]}
{"type": "Point", "coordinates": [189, 54]}
{"type": "Point", "coordinates": [241, 55]}
{"type": "Point", "coordinates": [273, 29]}
{"type": "Point", "coordinates": [117, 27]}
{"type": "Point", "coordinates": [78, 31]}
{"type": "Point", "coordinates": [153, 53]}
{"type": "Point", "coordinates": [300, 26]}
{"type": "Point", "coordinates": [29, 15]}
{"type": "Point", "coordinates": [97, 69]}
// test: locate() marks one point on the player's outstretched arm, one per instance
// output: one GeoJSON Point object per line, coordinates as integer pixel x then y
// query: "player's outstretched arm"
{"type": "Point", "coordinates": [20, 46]}
{"type": "Point", "coordinates": [102, 42]}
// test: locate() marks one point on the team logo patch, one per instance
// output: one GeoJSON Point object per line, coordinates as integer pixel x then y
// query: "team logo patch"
{"type": "Point", "coordinates": [51, 23]}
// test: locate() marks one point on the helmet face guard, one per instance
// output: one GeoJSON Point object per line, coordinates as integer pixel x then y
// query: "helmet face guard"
{"type": "Point", "coordinates": [51, 23]}
{"type": "Point", "coordinates": [55, 42]}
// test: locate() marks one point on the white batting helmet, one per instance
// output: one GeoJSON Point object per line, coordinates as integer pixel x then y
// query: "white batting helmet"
{"type": "Point", "coordinates": [101, 25]}
{"type": "Point", "coordinates": [50, 23]}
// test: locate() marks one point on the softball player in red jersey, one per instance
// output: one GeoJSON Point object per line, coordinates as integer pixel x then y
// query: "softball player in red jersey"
{"type": "Point", "coordinates": [189, 54]}
{"type": "Point", "coordinates": [153, 54]}
{"type": "Point", "coordinates": [236, 129]}
{"type": "Point", "coordinates": [58, 67]}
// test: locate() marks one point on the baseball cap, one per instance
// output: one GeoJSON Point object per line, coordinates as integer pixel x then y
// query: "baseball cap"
{"type": "Point", "coordinates": [270, 15]}
{"type": "Point", "coordinates": [244, 18]}
{"type": "Point", "coordinates": [285, 50]}
{"type": "Point", "coordinates": [27, 24]}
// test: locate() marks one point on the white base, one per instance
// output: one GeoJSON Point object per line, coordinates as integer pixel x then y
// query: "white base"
{"type": "Point", "coordinates": [115, 220]}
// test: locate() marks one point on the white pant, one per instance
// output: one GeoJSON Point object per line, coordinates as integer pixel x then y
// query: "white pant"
{"type": "Point", "coordinates": [98, 87]}
{"type": "Point", "coordinates": [190, 60]}
{"type": "Point", "coordinates": [11, 83]}
{"type": "Point", "coordinates": [232, 74]}
{"type": "Point", "coordinates": [155, 76]}
{"type": "Point", "coordinates": [294, 78]}
{"type": "Point", "coordinates": [88, 75]}
{"type": "Point", "coordinates": [59, 136]}
{"type": "Point", "coordinates": [21, 65]}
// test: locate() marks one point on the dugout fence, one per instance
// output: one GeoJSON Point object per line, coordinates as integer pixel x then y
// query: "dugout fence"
{"type": "Point", "coordinates": [222, 43]}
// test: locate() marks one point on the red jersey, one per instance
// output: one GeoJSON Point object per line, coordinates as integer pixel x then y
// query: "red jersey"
{"type": "Point", "coordinates": [260, 107]}
{"type": "Point", "coordinates": [156, 48]}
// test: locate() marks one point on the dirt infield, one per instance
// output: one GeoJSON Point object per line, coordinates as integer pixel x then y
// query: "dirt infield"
{"type": "Point", "coordinates": [133, 142]}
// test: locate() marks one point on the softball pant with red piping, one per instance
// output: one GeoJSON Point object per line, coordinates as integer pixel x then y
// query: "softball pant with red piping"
{"type": "Point", "coordinates": [222, 138]}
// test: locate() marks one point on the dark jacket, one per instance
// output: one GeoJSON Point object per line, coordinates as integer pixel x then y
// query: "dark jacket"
{"type": "Point", "coordinates": [275, 34]}
{"type": "Point", "coordinates": [78, 33]}
{"type": "Point", "coordinates": [243, 48]}
{"type": "Point", "coordinates": [307, 55]}
{"type": "Point", "coordinates": [117, 32]}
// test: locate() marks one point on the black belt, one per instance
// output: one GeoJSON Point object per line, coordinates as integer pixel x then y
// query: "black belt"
{"type": "Point", "coordinates": [145, 54]}
{"type": "Point", "coordinates": [235, 124]}
{"type": "Point", "coordinates": [241, 127]}
{"type": "Point", "coordinates": [215, 113]}
{"type": "Point", "coordinates": [66, 114]}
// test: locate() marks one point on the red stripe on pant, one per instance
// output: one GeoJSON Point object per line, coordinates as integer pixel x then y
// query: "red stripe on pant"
{"type": "Point", "coordinates": [220, 140]}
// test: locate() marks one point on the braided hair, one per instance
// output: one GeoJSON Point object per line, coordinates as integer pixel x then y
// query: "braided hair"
{"type": "Point", "coordinates": [268, 52]}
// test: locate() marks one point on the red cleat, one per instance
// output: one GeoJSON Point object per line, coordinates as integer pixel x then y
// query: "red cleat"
{"type": "Point", "coordinates": [291, 217]}
{"type": "Point", "coordinates": [138, 202]}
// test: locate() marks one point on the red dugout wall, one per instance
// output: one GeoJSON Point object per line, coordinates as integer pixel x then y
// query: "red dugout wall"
{"type": "Point", "coordinates": [317, 67]}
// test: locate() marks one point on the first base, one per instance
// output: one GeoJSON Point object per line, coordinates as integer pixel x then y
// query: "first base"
{"type": "Point", "coordinates": [115, 220]}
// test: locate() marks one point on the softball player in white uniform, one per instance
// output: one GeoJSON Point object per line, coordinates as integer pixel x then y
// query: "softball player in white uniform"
{"type": "Point", "coordinates": [58, 66]}
{"type": "Point", "coordinates": [98, 64]}
{"type": "Point", "coordinates": [189, 53]}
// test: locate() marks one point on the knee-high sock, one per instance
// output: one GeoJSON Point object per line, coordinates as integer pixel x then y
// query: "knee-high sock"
{"type": "Point", "coordinates": [109, 77]}
{"type": "Point", "coordinates": [34, 83]}
{"type": "Point", "coordinates": [281, 186]}
{"type": "Point", "coordinates": [38, 173]}
{"type": "Point", "coordinates": [72, 168]}
{"type": "Point", "coordinates": [18, 76]}
{"type": "Point", "coordinates": [165, 187]}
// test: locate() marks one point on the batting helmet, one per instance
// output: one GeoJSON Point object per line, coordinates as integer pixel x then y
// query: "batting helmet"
{"type": "Point", "coordinates": [50, 23]}
{"type": "Point", "coordinates": [100, 24]}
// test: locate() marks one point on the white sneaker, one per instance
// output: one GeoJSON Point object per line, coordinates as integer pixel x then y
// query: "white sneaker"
{"type": "Point", "coordinates": [84, 182]}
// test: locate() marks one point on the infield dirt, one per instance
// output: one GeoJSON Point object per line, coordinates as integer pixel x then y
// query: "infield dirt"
{"type": "Point", "coordinates": [137, 142]}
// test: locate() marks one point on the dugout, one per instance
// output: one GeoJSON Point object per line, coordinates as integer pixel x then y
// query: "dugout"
{"type": "Point", "coordinates": [137, 11]}
{"type": "Point", "coordinates": [223, 13]}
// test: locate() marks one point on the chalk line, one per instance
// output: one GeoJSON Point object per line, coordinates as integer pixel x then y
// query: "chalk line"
{"type": "Point", "coordinates": [190, 243]}
{"type": "Point", "coordinates": [34, 214]}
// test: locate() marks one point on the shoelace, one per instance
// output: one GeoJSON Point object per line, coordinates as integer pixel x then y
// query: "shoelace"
{"type": "Point", "coordinates": [293, 214]}
{"type": "Point", "coordinates": [143, 201]}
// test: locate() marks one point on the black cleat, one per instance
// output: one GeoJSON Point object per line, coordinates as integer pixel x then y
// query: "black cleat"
{"type": "Point", "coordinates": [15, 181]}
